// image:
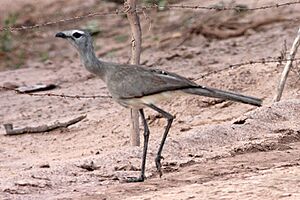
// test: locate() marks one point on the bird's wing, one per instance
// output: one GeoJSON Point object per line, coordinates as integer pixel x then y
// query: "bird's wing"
{"type": "Point", "coordinates": [130, 81]}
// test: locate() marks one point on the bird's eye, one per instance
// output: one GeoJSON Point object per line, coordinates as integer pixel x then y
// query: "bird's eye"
{"type": "Point", "coordinates": [77, 35]}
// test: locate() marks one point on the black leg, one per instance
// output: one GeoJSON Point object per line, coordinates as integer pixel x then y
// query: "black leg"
{"type": "Point", "coordinates": [146, 139]}
{"type": "Point", "coordinates": [170, 118]}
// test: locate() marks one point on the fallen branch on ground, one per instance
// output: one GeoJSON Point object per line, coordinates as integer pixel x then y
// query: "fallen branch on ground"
{"type": "Point", "coordinates": [239, 31]}
{"type": "Point", "coordinates": [42, 128]}
{"type": "Point", "coordinates": [230, 28]}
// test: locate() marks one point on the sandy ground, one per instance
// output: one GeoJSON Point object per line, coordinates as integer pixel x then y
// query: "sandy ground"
{"type": "Point", "coordinates": [215, 150]}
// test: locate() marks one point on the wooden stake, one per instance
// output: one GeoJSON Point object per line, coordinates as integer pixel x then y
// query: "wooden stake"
{"type": "Point", "coordinates": [136, 46]}
{"type": "Point", "coordinates": [287, 68]}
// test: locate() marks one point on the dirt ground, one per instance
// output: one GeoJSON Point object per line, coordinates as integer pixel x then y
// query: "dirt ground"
{"type": "Point", "coordinates": [215, 150]}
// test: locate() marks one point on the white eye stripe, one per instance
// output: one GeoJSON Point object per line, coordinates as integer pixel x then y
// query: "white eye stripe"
{"type": "Point", "coordinates": [77, 31]}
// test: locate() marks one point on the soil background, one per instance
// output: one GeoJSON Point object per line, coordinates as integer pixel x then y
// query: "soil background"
{"type": "Point", "coordinates": [215, 150]}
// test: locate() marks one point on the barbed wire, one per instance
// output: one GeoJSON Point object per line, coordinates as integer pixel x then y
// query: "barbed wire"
{"type": "Point", "coordinates": [67, 20]}
{"type": "Point", "coordinates": [231, 66]}
{"type": "Point", "coordinates": [55, 95]}
{"type": "Point", "coordinates": [141, 10]}
{"type": "Point", "coordinates": [220, 8]}
{"type": "Point", "coordinates": [251, 62]}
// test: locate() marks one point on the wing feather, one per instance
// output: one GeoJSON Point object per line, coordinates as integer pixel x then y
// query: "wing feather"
{"type": "Point", "coordinates": [129, 81]}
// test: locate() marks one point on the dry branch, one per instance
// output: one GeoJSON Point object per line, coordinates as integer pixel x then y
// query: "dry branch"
{"type": "Point", "coordinates": [136, 48]}
{"type": "Point", "coordinates": [287, 67]}
{"type": "Point", "coordinates": [228, 29]}
{"type": "Point", "coordinates": [42, 128]}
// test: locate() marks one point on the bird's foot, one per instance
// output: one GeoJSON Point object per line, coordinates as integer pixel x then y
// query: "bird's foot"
{"type": "Point", "coordinates": [158, 164]}
{"type": "Point", "coordinates": [135, 179]}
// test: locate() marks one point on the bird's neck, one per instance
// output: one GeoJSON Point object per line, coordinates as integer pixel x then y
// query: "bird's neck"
{"type": "Point", "coordinates": [91, 62]}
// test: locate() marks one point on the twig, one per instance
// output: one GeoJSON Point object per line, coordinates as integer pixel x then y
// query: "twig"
{"type": "Point", "coordinates": [42, 128]}
{"type": "Point", "coordinates": [216, 32]}
{"type": "Point", "coordinates": [147, 18]}
{"type": "Point", "coordinates": [287, 67]}
{"type": "Point", "coordinates": [283, 51]}
{"type": "Point", "coordinates": [136, 48]}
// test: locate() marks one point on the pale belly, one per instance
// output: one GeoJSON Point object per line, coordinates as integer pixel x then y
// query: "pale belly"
{"type": "Point", "coordinates": [138, 103]}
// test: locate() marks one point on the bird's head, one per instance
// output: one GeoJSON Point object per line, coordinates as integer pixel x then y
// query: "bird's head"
{"type": "Point", "coordinates": [80, 39]}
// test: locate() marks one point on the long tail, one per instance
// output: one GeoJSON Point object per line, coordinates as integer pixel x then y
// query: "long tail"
{"type": "Point", "coordinates": [216, 93]}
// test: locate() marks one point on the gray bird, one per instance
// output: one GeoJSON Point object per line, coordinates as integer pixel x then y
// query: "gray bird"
{"type": "Point", "coordinates": [137, 87]}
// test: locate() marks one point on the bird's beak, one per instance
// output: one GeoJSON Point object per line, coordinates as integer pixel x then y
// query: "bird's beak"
{"type": "Point", "coordinates": [61, 35]}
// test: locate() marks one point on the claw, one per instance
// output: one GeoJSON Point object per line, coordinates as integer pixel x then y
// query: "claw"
{"type": "Point", "coordinates": [135, 179]}
{"type": "Point", "coordinates": [158, 165]}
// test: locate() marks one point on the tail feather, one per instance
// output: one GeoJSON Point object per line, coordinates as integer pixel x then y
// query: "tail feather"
{"type": "Point", "coordinates": [221, 94]}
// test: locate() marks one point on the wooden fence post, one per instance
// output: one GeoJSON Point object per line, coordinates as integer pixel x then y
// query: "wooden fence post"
{"type": "Point", "coordinates": [136, 45]}
{"type": "Point", "coordinates": [287, 68]}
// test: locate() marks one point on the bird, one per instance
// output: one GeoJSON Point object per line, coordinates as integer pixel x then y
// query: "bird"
{"type": "Point", "coordinates": [139, 87]}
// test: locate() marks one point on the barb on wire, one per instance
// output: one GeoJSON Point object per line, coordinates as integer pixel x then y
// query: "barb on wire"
{"type": "Point", "coordinates": [261, 61]}
{"type": "Point", "coordinates": [220, 8]}
{"type": "Point", "coordinates": [56, 95]}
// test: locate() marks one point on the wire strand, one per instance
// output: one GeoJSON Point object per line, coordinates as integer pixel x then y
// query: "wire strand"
{"type": "Point", "coordinates": [141, 10]}
{"type": "Point", "coordinates": [231, 66]}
